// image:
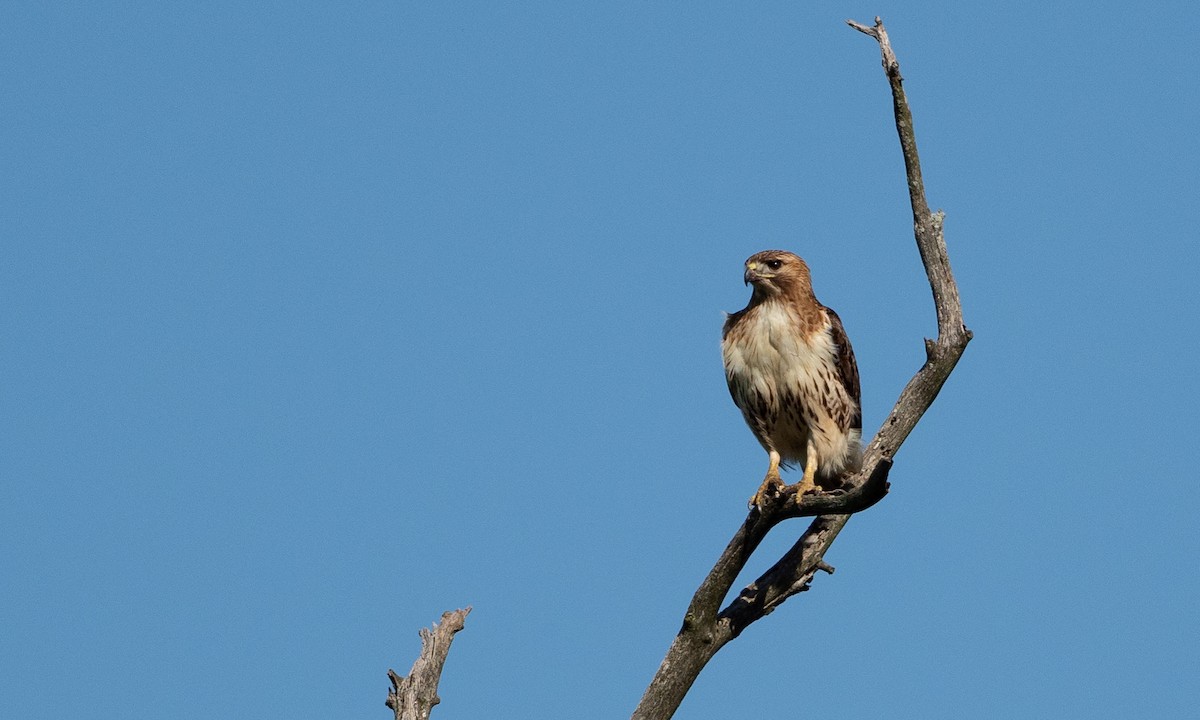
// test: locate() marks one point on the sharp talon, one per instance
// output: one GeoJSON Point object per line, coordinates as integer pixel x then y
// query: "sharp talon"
{"type": "Point", "coordinates": [771, 485]}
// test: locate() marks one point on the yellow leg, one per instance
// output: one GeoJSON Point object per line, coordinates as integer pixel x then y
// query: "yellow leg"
{"type": "Point", "coordinates": [769, 483]}
{"type": "Point", "coordinates": [808, 482]}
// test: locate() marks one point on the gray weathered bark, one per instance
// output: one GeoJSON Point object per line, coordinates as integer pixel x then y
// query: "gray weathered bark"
{"type": "Point", "coordinates": [413, 697]}
{"type": "Point", "coordinates": [707, 627]}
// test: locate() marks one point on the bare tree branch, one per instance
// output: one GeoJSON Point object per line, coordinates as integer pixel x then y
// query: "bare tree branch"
{"type": "Point", "coordinates": [706, 627]}
{"type": "Point", "coordinates": [413, 697]}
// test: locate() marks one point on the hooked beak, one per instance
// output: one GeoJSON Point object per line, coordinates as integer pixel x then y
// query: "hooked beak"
{"type": "Point", "coordinates": [751, 273]}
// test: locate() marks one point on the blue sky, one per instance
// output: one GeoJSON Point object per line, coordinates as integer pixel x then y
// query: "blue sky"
{"type": "Point", "coordinates": [320, 320]}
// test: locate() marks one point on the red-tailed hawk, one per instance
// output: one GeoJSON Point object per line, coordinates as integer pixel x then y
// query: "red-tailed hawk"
{"type": "Point", "coordinates": [791, 371]}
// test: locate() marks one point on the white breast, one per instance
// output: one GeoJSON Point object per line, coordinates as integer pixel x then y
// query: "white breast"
{"type": "Point", "coordinates": [771, 355]}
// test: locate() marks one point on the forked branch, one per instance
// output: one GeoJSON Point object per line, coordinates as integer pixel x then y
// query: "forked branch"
{"type": "Point", "coordinates": [707, 627]}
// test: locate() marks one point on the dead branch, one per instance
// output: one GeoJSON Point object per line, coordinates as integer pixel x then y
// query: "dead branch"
{"type": "Point", "coordinates": [706, 627]}
{"type": "Point", "coordinates": [413, 697]}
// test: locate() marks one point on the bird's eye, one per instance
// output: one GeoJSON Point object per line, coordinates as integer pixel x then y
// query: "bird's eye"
{"type": "Point", "coordinates": [774, 264]}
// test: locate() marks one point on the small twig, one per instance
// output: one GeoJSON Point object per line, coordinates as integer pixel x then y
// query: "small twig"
{"type": "Point", "coordinates": [413, 697]}
{"type": "Point", "coordinates": [878, 32]}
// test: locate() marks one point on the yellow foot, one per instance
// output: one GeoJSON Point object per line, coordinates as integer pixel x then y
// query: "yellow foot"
{"type": "Point", "coordinates": [808, 482]}
{"type": "Point", "coordinates": [805, 485]}
{"type": "Point", "coordinates": [770, 485]}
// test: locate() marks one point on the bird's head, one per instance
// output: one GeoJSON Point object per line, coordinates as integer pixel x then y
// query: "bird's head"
{"type": "Point", "coordinates": [777, 272]}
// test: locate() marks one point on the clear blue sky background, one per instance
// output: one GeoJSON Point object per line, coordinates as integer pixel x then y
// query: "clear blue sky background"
{"type": "Point", "coordinates": [320, 319]}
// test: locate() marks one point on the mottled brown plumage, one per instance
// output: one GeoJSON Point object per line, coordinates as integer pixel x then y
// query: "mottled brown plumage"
{"type": "Point", "coordinates": [791, 371]}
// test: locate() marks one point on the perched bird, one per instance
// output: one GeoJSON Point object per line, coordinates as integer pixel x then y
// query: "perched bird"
{"type": "Point", "coordinates": [791, 371]}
